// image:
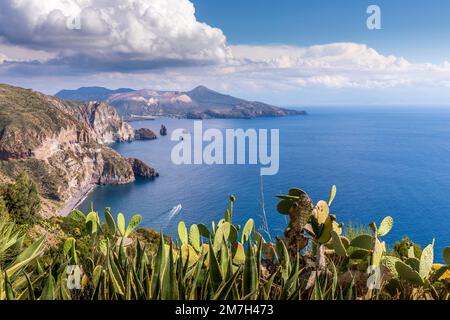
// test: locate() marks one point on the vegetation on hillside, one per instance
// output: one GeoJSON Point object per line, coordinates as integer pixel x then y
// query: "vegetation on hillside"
{"type": "Point", "coordinates": [21, 199]}
{"type": "Point", "coordinates": [315, 259]}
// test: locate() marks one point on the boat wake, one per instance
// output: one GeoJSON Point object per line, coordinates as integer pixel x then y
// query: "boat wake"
{"type": "Point", "coordinates": [175, 210]}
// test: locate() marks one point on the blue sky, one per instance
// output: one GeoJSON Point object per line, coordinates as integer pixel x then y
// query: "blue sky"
{"type": "Point", "coordinates": [289, 52]}
{"type": "Point", "coordinates": [418, 30]}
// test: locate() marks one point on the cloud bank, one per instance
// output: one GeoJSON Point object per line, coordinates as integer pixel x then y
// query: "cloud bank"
{"type": "Point", "coordinates": [160, 44]}
{"type": "Point", "coordinates": [115, 34]}
{"type": "Point", "coordinates": [338, 65]}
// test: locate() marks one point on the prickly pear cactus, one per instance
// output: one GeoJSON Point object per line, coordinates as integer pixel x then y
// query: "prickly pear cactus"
{"type": "Point", "coordinates": [321, 211]}
{"type": "Point", "coordinates": [338, 245]}
{"type": "Point", "coordinates": [298, 206]}
{"type": "Point", "coordinates": [385, 226]}
{"type": "Point", "coordinates": [426, 261]}
{"type": "Point", "coordinates": [182, 232]}
{"type": "Point", "coordinates": [406, 272]}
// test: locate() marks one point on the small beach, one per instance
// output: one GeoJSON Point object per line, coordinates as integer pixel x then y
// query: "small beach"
{"type": "Point", "coordinates": [76, 200]}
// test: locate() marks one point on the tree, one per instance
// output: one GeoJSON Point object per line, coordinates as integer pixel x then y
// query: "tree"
{"type": "Point", "coordinates": [22, 200]}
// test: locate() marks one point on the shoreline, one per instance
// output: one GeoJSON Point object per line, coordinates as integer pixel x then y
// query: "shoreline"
{"type": "Point", "coordinates": [76, 200]}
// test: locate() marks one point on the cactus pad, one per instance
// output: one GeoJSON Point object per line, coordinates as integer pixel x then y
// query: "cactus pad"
{"type": "Point", "coordinates": [321, 211]}
{"type": "Point", "coordinates": [426, 260]}
{"type": "Point", "coordinates": [182, 232]}
{"type": "Point", "coordinates": [385, 226]}
{"type": "Point", "coordinates": [363, 241]}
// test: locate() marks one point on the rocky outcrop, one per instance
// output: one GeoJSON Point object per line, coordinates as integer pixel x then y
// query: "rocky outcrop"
{"type": "Point", "coordinates": [105, 122]}
{"type": "Point", "coordinates": [141, 169]}
{"type": "Point", "coordinates": [61, 145]}
{"type": "Point", "coordinates": [144, 134]}
{"type": "Point", "coordinates": [163, 130]}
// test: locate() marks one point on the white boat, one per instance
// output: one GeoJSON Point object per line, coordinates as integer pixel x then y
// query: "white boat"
{"type": "Point", "coordinates": [175, 210]}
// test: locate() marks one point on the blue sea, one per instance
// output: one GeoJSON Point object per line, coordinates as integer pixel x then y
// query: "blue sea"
{"type": "Point", "coordinates": [384, 161]}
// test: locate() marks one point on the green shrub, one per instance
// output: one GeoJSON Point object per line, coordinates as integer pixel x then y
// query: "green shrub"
{"type": "Point", "coordinates": [22, 200]}
{"type": "Point", "coordinates": [400, 248]}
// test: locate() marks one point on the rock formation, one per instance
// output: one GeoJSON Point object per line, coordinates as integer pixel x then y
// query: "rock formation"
{"type": "Point", "coordinates": [140, 169]}
{"type": "Point", "coordinates": [144, 134]}
{"type": "Point", "coordinates": [105, 122]}
{"type": "Point", "coordinates": [163, 130]}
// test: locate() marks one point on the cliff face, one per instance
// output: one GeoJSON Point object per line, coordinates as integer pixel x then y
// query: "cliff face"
{"type": "Point", "coordinates": [140, 169]}
{"type": "Point", "coordinates": [103, 119]}
{"type": "Point", "coordinates": [60, 145]}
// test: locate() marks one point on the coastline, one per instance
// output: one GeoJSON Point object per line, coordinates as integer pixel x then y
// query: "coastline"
{"type": "Point", "coordinates": [76, 200]}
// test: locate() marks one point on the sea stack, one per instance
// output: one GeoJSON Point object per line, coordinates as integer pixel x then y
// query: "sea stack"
{"type": "Point", "coordinates": [163, 130]}
{"type": "Point", "coordinates": [144, 134]}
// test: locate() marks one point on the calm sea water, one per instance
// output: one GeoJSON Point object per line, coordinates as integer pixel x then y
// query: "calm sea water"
{"type": "Point", "coordinates": [384, 162]}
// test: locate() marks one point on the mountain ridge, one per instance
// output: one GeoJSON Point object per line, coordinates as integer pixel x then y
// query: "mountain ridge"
{"type": "Point", "coordinates": [198, 103]}
{"type": "Point", "coordinates": [90, 93]}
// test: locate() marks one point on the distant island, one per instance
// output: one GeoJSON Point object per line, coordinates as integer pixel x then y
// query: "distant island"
{"type": "Point", "coordinates": [199, 103]}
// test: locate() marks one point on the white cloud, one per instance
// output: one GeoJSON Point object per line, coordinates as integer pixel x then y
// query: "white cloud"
{"type": "Point", "coordinates": [121, 41]}
{"type": "Point", "coordinates": [114, 32]}
{"type": "Point", "coordinates": [337, 65]}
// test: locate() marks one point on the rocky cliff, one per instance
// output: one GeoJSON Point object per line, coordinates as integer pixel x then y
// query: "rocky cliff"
{"type": "Point", "coordinates": [140, 169]}
{"type": "Point", "coordinates": [105, 122]}
{"type": "Point", "coordinates": [60, 145]}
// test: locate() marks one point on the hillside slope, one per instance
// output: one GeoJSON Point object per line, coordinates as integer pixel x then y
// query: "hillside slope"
{"type": "Point", "coordinates": [90, 93]}
{"type": "Point", "coordinates": [60, 145]}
